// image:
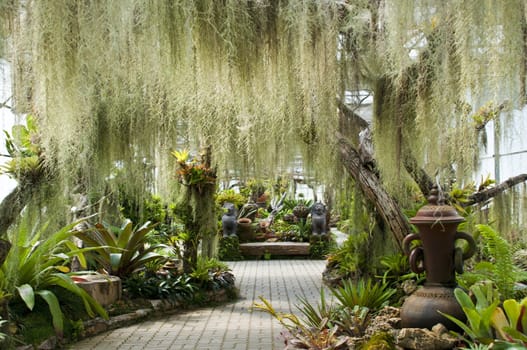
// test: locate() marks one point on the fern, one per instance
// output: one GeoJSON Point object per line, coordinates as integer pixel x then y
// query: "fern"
{"type": "Point", "coordinates": [500, 267]}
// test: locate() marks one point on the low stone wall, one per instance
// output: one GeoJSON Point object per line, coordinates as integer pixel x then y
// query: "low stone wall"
{"type": "Point", "coordinates": [149, 309]}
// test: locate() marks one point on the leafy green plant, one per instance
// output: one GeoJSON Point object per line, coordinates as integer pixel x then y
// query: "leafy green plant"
{"type": "Point", "coordinates": [36, 265]}
{"type": "Point", "coordinates": [353, 321]}
{"type": "Point", "coordinates": [140, 285]}
{"type": "Point", "coordinates": [211, 273]}
{"type": "Point", "coordinates": [364, 292]}
{"type": "Point", "coordinates": [314, 335]}
{"type": "Point", "coordinates": [177, 288]}
{"type": "Point", "coordinates": [290, 203]}
{"type": "Point", "coordinates": [256, 188]}
{"type": "Point", "coordinates": [397, 269]}
{"type": "Point", "coordinates": [155, 210]}
{"type": "Point", "coordinates": [26, 161]}
{"type": "Point", "coordinates": [321, 246]}
{"type": "Point", "coordinates": [229, 249]}
{"type": "Point", "coordinates": [350, 258]}
{"type": "Point", "coordinates": [3, 336]}
{"type": "Point", "coordinates": [170, 286]}
{"type": "Point", "coordinates": [123, 250]}
{"type": "Point", "coordinates": [498, 265]}
{"type": "Point", "coordinates": [315, 316]}
{"type": "Point", "coordinates": [230, 196]}
{"type": "Point", "coordinates": [510, 322]}
{"type": "Point", "coordinates": [479, 315]}
{"type": "Point", "coordinates": [246, 212]}
{"type": "Point", "coordinates": [323, 326]}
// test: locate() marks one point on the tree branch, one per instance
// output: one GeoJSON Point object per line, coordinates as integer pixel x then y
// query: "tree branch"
{"type": "Point", "coordinates": [4, 104]}
{"type": "Point", "coordinates": [482, 196]}
{"type": "Point", "coordinates": [419, 175]}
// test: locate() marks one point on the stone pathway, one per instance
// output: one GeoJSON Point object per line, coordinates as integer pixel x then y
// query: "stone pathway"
{"type": "Point", "coordinates": [231, 326]}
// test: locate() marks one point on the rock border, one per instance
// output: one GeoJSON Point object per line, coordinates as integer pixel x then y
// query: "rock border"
{"type": "Point", "coordinates": [158, 308]}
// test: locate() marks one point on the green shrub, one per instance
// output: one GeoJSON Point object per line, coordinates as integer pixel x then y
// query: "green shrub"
{"type": "Point", "coordinates": [229, 196]}
{"type": "Point", "coordinates": [321, 246]}
{"type": "Point", "coordinates": [229, 249]}
{"type": "Point", "coordinates": [351, 257]}
{"type": "Point", "coordinates": [211, 274]}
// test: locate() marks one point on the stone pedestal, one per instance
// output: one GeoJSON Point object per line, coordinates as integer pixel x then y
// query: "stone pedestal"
{"type": "Point", "coordinates": [103, 288]}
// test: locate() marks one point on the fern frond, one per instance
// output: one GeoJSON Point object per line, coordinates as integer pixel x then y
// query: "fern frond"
{"type": "Point", "coordinates": [499, 251]}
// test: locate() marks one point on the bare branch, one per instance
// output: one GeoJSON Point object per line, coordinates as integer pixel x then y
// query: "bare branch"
{"type": "Point", "coordinates": [482, 196]}
{"type": "Point", "coordinates": [4, 104]}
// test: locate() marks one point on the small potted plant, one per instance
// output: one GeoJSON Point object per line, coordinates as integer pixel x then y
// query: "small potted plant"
{"type": "Point", "coordinates": [245, 224]}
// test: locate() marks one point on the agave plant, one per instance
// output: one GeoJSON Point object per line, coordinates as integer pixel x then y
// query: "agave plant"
{"type": "Point", "coordinates": [35, 266]}
{"type": "Point", "coordinates": [364, 292]}
{"type": "Point", "coordinates": [123, 250]}
{"type": "Point", "coordinates": [316, 332]}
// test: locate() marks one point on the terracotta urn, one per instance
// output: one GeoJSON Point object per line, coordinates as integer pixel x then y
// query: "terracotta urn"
{"type": "Point", "coordinates": [439, 257]}
{"type": "Point", "coordinates": [245, 230]}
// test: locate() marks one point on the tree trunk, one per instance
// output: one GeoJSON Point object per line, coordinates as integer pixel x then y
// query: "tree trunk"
{"type": "Point", "coordinates": [373, 190]}
{"type": "Point", "coordinates": [11, 207]}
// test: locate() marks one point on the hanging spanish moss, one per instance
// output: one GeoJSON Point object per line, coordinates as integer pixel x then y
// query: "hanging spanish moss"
{"type": "Point", "coordinates": [116, 85]}
{"type": "Point", "coordinates": [432, 65]}
{"type": "Point", "coordinates": [508, 213]}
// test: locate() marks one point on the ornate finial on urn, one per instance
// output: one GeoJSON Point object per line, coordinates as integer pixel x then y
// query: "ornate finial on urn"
{"type": "Point", "coordinates": [434, 196]}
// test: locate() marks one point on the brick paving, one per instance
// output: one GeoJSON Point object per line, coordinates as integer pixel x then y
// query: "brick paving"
{"type": "Point", "coordinates": [232, 326]}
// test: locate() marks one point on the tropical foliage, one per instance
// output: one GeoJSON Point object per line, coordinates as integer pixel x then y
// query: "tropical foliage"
{"type": "Point", "coordinates": [332, 325]}
{"type": "Point", "coordinates": [367, 293]}
{"type": "Point", "coordinates": [121, 250]}
{"type": "Point", "coordinates": [257, 86]}
{"type": "Point", "coordinates": [36, 265]}
{"type": "Point", "coordinates": [26, 163]}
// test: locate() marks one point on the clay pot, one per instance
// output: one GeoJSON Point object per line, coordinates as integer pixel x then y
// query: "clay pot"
{"type": "Point", "coordinates": [245, 230]}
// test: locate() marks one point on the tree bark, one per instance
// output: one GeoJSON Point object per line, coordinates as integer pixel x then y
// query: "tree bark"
{"type": "Point", "coordinates": [418, 174]}
{"type": "Point", "coordinates": [366, 178]}
{"type": "Point", "coordinates": [482, 196]}
{"type": "Point", "coordinates": [11, 207]}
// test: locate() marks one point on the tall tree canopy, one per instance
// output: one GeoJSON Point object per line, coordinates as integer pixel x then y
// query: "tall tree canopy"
{"type": "Point", "coordinates": [124, 82]}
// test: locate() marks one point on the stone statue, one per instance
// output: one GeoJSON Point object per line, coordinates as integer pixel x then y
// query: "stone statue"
{"type": "Point", "coordinates": [228, 220]}
{"type": "Point", "coordinates": [318, 219]}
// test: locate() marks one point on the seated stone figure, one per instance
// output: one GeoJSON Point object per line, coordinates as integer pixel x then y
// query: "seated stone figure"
{"type": "Point", "coordinates": [318, 219]}
{"type": "Point", "coordinates": [228, 220]}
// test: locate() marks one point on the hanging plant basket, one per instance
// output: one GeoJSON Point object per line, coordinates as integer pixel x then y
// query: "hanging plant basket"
{"type": "Point", "coordinates": [301, 211]}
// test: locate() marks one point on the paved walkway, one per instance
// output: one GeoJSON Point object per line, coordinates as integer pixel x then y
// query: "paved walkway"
{"type": "Point", "coordinates": [231, 326]}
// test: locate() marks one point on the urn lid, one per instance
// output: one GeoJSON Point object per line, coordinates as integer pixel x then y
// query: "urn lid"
{"type": "Point", "coordinates": [436, 211]}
